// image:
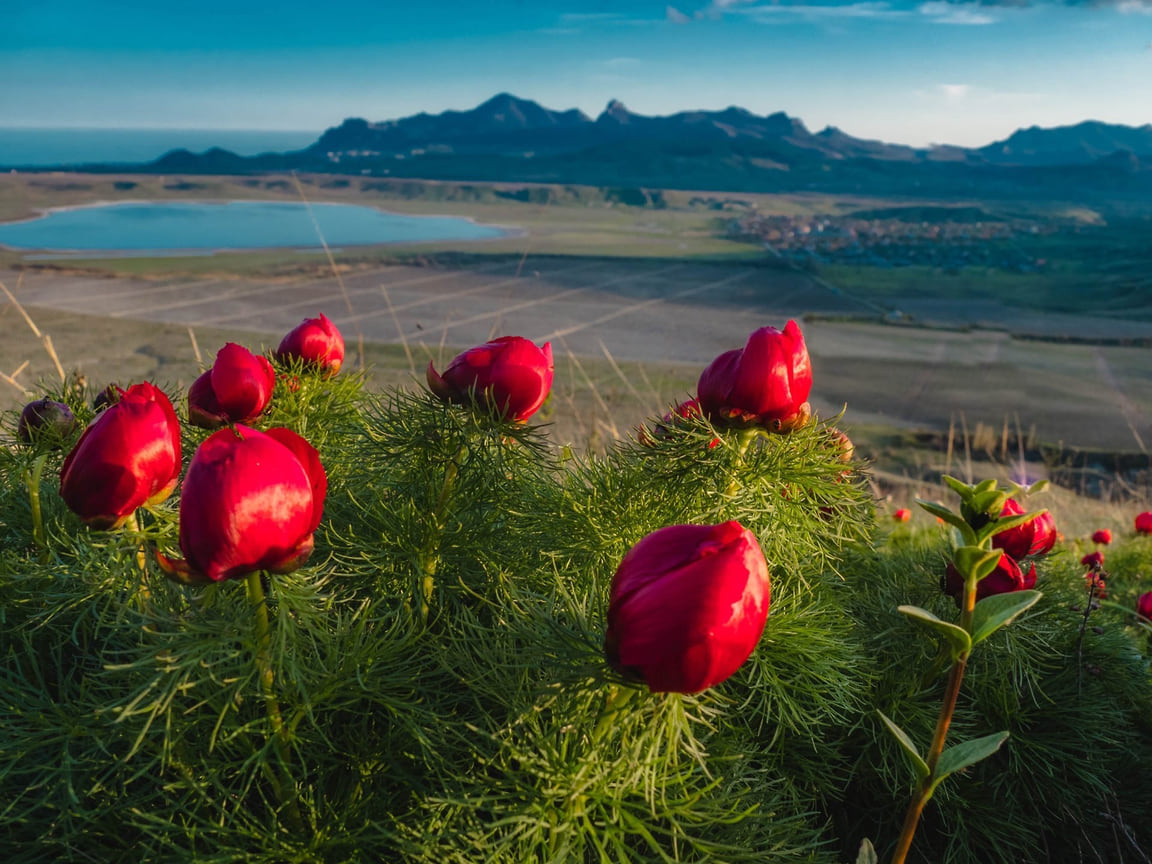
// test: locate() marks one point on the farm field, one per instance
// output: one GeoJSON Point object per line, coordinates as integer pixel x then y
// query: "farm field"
{"type": "Point", "coordinates": [660, 321]}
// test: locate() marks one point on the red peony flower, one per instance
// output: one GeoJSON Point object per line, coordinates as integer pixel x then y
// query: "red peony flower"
{"type": "Point", "coordinates": [510, 375]}
{"type": "Point", "coordinates": [316, 341]}
{"type": "Point", "coordinates": [687, 607]}
{"type": "Point", "coordinates": [251, 501]}
{"type": "Point", "coordinates": [902, 515]}
{"type": "Point", "coordinates": [1103, 537]}
{"type": "Point", "coordinates": [236, 389]}
{"type": "Point", "coordinates": [1144, 605]}
{"type": "Point", "coordinates": [1035, 537]}
{"type": "Point", "coordinates": [1094, 560]}
{"type": "Point", "coordinates": [1005, 578]}
{"type": "Point", "coordinates": [765, 383]}
{"type": "Point", "coordinates": [45, 417]}
{"type": "Point", "coordinates": [1144, 523]}
{"type": "Point", "coordinates": [129, 456]}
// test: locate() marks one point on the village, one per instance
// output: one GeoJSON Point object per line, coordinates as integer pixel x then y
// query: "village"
{"type": "Point", "coordinates": [950, 244]}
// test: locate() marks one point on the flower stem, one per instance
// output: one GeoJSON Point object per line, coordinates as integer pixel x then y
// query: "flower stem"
{"type": "Point", "coordinates": [32, 481]}
{"type": "Point", "coordinates": [924, 788]}
{"type": "Point", "coordinates": [281, 780]}
{"type": "Point", "coordinates": [430, 556]}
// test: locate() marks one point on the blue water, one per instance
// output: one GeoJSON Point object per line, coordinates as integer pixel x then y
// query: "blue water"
{"type": "Point", "coordinates": [195, 227]}
{"type": "Point", "coordinates": [32, 147]}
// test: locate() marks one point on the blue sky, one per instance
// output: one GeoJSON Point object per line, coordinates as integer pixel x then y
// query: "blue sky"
{"type": "Point", "coordinates": [911, 72]}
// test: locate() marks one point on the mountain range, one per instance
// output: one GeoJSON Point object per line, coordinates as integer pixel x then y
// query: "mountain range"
{"type": "Point", "coordinates": [518, 140]}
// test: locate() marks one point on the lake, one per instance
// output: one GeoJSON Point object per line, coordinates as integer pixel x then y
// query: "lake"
{"type": "Point", "coordinates": [153, 227]}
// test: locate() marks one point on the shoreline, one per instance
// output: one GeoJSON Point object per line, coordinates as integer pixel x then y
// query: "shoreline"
{"type": "Point", "coordinates": [509, 231]}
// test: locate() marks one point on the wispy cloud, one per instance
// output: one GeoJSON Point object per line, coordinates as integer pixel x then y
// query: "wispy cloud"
{"type": "Point", "coordinates": [943, 12]}
{"type": "Point", "coordinates": [813, 11]}
{"type": "Point", "coordinates": [675, 16]}
{"type": "Point", "coordinates": [621, 62]}
{"type": "Point", "coordinates": [955, 92]}
{"type": "Point", "coordinates": [588, 17]}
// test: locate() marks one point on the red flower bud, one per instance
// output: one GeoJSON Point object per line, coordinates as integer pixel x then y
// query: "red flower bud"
{"type": "Point", "coordinates": [1144, 523]}
{"type": "Point", "coordinates": [1144, 605]}
{"type": "Point", "coordinates": [1103, 537]}
{"type": "Point", "coordinates": [510, 375]}
{"type": "Point", "coordinates": [251, 501]}
{"type": "Point", "coordinates": [765, 383]}
{"type": "Point", "coordinates": [687, 607]}
{"type": "Point", "coordinates": [1035, 537]}
{"type": "Point", "coordinates": [902, 515]}
{"type": "Point", "coordinates": [236, 389]}
{"type": "Point", "coordinates": [45, 417]}
{"type": "Point", "coordinates": [1005, 578]}
{"type": "Point", "coordinates": [1093, 560]}
{"type": "Point", "coordinates": [129, 456]}
{"type": "Point", "coordinates": [317, 342]}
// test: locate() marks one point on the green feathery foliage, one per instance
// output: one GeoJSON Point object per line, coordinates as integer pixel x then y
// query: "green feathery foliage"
{"type": "Point", "coordinates": [439, 669]}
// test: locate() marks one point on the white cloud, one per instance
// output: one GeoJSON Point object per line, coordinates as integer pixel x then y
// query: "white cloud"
{"type": "Point", "coordinates": [674, 15]}
{"type": "Point", "coordinates": [1134, 7]}
{"type": "Point", "coordinates": [774, 12]}
{"type": "Point", "coordinates": [955, 92]}
{"type": "Point", "coordinates": [944, 12]}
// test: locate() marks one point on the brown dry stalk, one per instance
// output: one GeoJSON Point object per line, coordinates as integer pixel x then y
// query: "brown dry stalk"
{"type": "Point", "coordinates": [44, 338]}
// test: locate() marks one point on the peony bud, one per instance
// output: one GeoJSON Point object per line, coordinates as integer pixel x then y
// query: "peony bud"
{"type": "Point", "coordinates": [236, 389]}
{"type": "Point", "coordinates": [129, 456]}
{"type": "Point", "coordinates": [1005, 578]}
{"type": "Point", "coordinates": [1144, 523]}
{"type": "Point", "coordinates": [902, 515]}
{"type": "Point", "coordinates": [510, 375]}
{"type": "Point", "coordinates": [765, 383]}
{"type": "Point", "coordinates": [687, 607]}
{"type": "Point", "coordinates": [251, 501]}
{"type": "Point", "coordinates": [1144, 605]}
{"type": "Point", "coordinates": [1103, 537]}
{"type": "Point", "coordinates": [1035, 537]}
{"type": "Point", "coordinates": [317, 342]}
{"type": "Point", "coordinates": [1093, 560]}
{"type": "Point", "coordinates": [45, 417]}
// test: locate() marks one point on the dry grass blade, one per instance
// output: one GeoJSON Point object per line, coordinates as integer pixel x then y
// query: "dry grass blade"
{"type": "Point", "coordinates": [620, 373]}
{"type": "Point", "coordinates": [399, 329]}
{"type": "Point", "coordinates": [335, 269]}
{"type": "Point", "coordinates": [196, 348]}
{"type": "Point", "coordinates": [11, 379]}
{"type": "Point", "coordinates": [611, 424]}
{"type": "Point", "coordinates": [44, 338]}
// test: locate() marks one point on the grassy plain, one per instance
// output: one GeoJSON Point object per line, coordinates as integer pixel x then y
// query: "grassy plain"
{"type": "Point", "coordinates": [646, 295]}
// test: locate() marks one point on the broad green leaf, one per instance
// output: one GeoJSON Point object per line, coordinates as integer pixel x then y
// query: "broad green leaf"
{"type": "Point", "coordinates": [1007, 523]}
{"type": "Point", "coordinates": [990, 502]}
{"type": "Point", "coordinates": [985, 486]}
{"type": "Point", "coordinates": [918, 763]}
{"type": "Point", "coordinates": [999, 610]}
{"type": "Point", "coordinates": [960, 488]}
{"type": "Point", "coordinates": [974, 559]}
{"type": "Point", "coordinates": [1037, 487]}
{"type": "Point", "coordinates": [948, 516]}
{"type": "Point", "coordinates": [960, 756]}
{"type": "Point", "coordinates": [867, 853]}
{"type": "Point", "coordinates": [957, 637]}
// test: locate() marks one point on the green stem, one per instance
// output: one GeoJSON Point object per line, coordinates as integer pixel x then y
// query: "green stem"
{"type": "Point", "coordinates": [32, 481]}
{"type": "Point", "coordinates": [281, 779]}
{"type": "Point", "coordinates": [430, 556]}
{"type": "Point", "coordinates": [940, 735]}
{"type": "Point", "coordinates": [618, 699]}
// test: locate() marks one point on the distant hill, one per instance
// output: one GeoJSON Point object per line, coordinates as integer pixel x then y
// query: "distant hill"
{"type": "Point", "coordinates": [1070, 145]}
{"type": "Point", "coordinates": [507, 139]}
